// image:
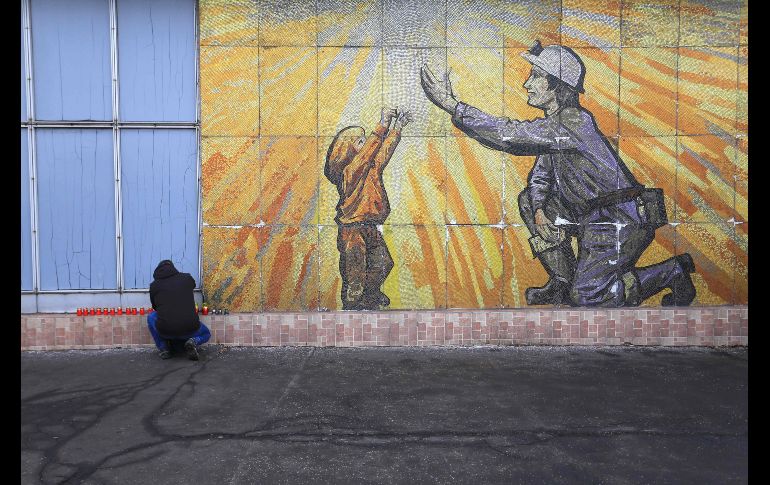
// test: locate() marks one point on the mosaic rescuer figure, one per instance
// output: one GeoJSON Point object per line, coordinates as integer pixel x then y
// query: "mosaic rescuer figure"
{"type": "Point", "coordinates": [578, 187]}
{"type": "Point", "coordinates": [175, 320]}
{"type": "Point", "coordinates": [354, 164]}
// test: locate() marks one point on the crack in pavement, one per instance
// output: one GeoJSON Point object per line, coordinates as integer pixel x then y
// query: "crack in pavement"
{"type": "Point", "coordinates": [97, 403]}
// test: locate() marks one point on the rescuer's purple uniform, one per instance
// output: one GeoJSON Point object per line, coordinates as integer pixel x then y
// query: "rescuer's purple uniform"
{"type": "Point", "coordinates": [574, 165]}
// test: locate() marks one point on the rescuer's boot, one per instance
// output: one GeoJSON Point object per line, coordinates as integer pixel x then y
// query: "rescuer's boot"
{"type": "Point", "coordinates": [560, 264]}
{"type": "Point", "coordinates": [673, 273]}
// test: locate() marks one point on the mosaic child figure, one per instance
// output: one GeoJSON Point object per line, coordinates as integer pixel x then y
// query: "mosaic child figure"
{"type": "Point", "coordinates": [354, 164]}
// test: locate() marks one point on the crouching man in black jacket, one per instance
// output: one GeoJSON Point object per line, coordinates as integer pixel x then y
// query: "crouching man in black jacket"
{"type": "Point", "coordinates": [175, 318]}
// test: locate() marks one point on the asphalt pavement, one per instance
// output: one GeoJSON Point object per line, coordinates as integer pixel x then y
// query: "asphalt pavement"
{"type": "Point", "coordinates": [616, 415]}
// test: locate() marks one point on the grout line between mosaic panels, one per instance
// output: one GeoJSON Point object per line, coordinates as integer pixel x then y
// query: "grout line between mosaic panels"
{"type": "Point", "coordinates": [453, 135]}
{"type": "Point", "coordinates": [317, 156]}
{"type": "Point", "coordinates": [446, 169]}
{"type": "Point", "coordinates": [620, 71]}
{"type": "Point", "coordinates": [676, 120]}
{"type": "Point", "coordinates": [261, 302]}
{"type": "Point", "coordinates": [407, 46]}
{"type": "Point", "coordinates": [737, 107]}
{"type": "Point", "coordinates": [502, 189]}
{"type": "Point", "coordinates": [436, 225]}
{"type": "Point", "coordinates": [735, 153]}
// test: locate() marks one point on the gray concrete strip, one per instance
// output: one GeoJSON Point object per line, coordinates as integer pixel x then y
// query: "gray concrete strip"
{"type": "Point", "coordinates": [386, 415]}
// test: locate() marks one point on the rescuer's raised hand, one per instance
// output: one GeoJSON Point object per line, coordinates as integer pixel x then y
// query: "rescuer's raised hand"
{"type": "Point", "coordinates": [439, 92]}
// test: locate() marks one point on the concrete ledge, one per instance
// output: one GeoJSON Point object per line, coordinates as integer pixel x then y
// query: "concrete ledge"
{"type": "Point", "coordinates": [700, 326]}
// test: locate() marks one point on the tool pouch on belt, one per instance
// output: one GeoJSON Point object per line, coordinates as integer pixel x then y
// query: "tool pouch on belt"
{"type": "Point", "coordinates": [651, 208]}
{"type": "Point", "coordinates": [539, 245]}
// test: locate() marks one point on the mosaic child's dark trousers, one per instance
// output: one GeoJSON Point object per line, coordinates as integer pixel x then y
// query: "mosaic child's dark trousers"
{"type": "Point", "coordinates": [365, 262]}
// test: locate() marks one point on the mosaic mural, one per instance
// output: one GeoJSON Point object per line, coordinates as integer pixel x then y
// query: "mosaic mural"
{"type": "Point", "coordinates": [319, 115]}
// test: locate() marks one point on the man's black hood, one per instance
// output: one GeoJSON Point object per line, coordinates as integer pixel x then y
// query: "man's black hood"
{"type": "Point", "coordinates": [164, 270]}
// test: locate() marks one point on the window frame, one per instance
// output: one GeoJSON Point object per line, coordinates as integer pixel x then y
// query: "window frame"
{"type": "Point", "coordinates": [31, 124]}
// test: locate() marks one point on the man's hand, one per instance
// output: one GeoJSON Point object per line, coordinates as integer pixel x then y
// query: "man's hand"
{"type": "Point", "coordinates": [404, 118]}
{"type": "Point", "coordinates": [386, 115]}
{"type": "Point", "coordinates": [545, 228]}
{"type": "Point", "coordinates": [438, 92]}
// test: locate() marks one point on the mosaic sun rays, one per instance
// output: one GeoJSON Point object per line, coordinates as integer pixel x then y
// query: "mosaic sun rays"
{"type": "Point", "coordinates": [666, 81]}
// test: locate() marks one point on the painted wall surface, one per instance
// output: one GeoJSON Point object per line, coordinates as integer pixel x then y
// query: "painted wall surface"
{"type": "Point", "coordinates": [665, 80]}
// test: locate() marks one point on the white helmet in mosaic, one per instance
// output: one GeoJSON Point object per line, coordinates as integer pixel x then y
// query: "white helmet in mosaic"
{"type": "Point", "coordinates": [558, 61]}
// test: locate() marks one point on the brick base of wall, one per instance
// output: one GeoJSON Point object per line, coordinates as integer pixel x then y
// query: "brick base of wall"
{"type": "Point", "coordinates": [702, 326]}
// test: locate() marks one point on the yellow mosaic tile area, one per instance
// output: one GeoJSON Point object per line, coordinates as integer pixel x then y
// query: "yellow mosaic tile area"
{"type": "Point", "coordinates": [648, 23]}
{"type": "Point", "coordinates": [288, 88]}
{"type": "Point", "coordinates": [349, 88]}
{"type": "Point", "coordinates": [485, 68]}
{"type": "Point", "coordinates": [520, 268]}
{"type": "Point", "coordinates": [415, 180]}
{"type": "Point", "coordinates": [330, 281]}
{"type": "Point", "coordinates": [744, 22]}
{"type": "Point", "coordinates": [742, 179]}
{"type": "Point", "coordinates": [401, 87]}
{"type": "Point", "coordinates": [349, 22]}
{"type": "Point", "coordinates": [474, 183]}
{"type": "Point", "coordinates": [521, 22]}
{"type": "Point", "coordinates": [705, 22]}
{"type": "Point", "coordinates": [228, 22]}
{"type": "Point", "coordinates": [708, 90]}
{"type": "Point", "coordinates": [290, 268]}
{"type": "Point", "coordinates": [232, 267]}
{"type": "Point", "coordinates": [705, 179]}
{"type": "Point", "coordinates": [741, 250]}
{"type": "Point", "coordinates": [648, 92]}
{"type": "Point", "coordinates": [653, 162]}
{"type": "Point", "coordinates": [474, 267]}
{"type": "Point", "coordinates": [282, 26]}
{"type": "Point", "coordinates": [588, 23]}
{"type": "Point", "coordinates": [666, 82]}
{"type": "Point", "coordinates": [742, 122]}
{"type": "Point", "coordinates": [229, 73]}
{"type": "Point", "coordinates": [289, 182]}
{"type": "Point", "coordinates": [230, 192]}
{"type": "Point", "coordinates": [708, 244]}
{"type": "Point", "coordinates": [419, 276]}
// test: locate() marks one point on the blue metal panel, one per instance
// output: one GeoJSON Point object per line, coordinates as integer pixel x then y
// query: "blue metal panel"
{"type": "Point", "coordinates": [160, 202]}
{"type": "Point", "coordinates": [76, 209]}
{"type": "Point", "coordinates": [26, 222]}
{"type": "Point", "coordinates": [71, 59]}
{"type": "Point", "coordinates": [156, 61]}
{"type": "Point", "coordinates": [23, 77]}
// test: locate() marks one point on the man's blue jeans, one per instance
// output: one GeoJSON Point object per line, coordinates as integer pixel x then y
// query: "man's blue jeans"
{"type": "Point", "coordinates": [200, 337]}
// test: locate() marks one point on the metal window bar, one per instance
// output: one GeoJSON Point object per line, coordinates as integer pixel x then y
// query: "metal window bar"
{"type": "Point", "coordinates": [198, 168]}
{"type": "Point", "coordinates": [31, 152]}
{"type": "Point", "coordinates": [116, 144]}
{"type": "Point", "coordinates": [112, 124]}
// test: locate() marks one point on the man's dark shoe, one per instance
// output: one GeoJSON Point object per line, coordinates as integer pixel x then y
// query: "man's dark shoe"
{"type": "Point", "coordinates": [555, 292]}
{"type": "Point", "coordinates": [165, 354]}
{"type": "Point", "coordinates": [682, 288]}
{"type": "Point", "coordinates": [191, 349]}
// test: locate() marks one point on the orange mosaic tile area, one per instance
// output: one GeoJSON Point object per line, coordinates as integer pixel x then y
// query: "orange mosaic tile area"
{"type": "Point", "coordinates": [666, 82]}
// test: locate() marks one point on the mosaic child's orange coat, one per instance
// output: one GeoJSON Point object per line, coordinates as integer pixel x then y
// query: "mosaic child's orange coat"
{"type": "Point", "coordinates": [362, 194]}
